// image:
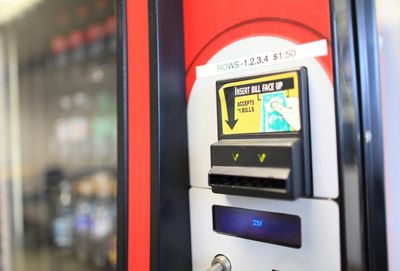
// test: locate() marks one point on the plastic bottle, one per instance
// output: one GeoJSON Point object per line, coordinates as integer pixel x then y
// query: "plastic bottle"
{"type": "Point", "coordinates": [112, 244]}
{"type": "Point", "coordinates": [83, 219]}
{"type": "Point", "coordinates": [103, 219]}
{"type": "Point", "coordinates": [63, 220]}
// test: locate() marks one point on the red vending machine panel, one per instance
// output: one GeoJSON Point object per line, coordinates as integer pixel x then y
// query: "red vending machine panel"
{"type": "Point", "coordinates": [243, 127]}
{"type": "Point", "coordinates": [138, 95]}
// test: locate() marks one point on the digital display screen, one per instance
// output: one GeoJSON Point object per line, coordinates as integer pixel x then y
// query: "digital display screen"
{"type": "Point", "coordinates": [262, 104]}
{"type": "Point", "coordinates": [275, 228]}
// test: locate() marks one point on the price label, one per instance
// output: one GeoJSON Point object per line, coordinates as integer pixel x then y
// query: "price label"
{"type": "Point", "coordinates": [303, 51]}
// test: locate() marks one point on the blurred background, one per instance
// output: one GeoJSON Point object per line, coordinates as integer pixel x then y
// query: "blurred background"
{"type": "Point", "coordinates": [58, 135]}
{"type": "Point", "coordinates": [58, 132]}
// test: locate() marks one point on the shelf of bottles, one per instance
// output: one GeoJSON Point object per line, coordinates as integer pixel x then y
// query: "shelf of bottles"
{"type": "Point", "coordinates": [68, 121]}
{"type": "Point", "coordinates": [83, 216]}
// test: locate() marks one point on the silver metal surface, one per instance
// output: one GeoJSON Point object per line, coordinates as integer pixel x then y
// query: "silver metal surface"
{"type": "Point", "coordinates": [220, 263]}
{"type": "Point", "coordinates": [216, 267]}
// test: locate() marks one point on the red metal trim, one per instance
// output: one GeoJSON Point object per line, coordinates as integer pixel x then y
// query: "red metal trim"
{"type": "Point", "coordinates": [139, 136]}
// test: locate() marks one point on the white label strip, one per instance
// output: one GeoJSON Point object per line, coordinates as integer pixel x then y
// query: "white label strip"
{"type": "Point", "coordinates": [303, 51]}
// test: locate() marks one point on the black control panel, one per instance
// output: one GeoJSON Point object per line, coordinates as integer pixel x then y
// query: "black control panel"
{"type": "Point", "coordinates": [262, 168]}
{"type": "Point", "coordinates": [264, 139]}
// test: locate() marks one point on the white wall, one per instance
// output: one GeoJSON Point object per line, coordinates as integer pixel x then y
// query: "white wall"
{"type": "Point", "coordinates": [4, 197]}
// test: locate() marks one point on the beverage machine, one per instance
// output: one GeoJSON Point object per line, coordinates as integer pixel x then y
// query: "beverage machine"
{"type": "Point", "coordinates": [252, 136]}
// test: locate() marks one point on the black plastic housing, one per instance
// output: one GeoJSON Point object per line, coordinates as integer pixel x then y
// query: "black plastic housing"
{"type": "Point", "coordinates": [260, 168]}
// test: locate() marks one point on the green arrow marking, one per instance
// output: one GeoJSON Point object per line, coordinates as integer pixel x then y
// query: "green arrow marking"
{"type": "Point", "coordinates": [261, 157]}
{"type": "Point", "coordinates": [235, 156]}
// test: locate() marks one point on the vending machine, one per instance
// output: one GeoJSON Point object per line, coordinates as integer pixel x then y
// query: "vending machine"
{"type": "Point", "coordinates": [262, 135]}
{"type": "Point", "coordinates": [253, 137]}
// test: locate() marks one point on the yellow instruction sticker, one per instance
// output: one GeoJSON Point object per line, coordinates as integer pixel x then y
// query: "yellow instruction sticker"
{"type": "Point", "coordinates": [264, 104]}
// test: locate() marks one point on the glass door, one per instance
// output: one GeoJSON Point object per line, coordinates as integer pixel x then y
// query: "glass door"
{"type": "Point", "coordinates": [58, 135]}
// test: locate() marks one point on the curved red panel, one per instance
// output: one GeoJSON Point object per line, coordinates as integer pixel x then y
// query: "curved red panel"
{"type": "Point", "coordinates": [229, 21]}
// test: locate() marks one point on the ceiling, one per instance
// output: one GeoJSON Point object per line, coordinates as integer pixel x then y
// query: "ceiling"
{"type": "Point", "coordinates": [10, 9]}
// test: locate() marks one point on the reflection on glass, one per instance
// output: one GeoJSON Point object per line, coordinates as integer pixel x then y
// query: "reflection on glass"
{"type": "Point", "coordinates": [58, 129]}
{"type": "Point", "coordinates": [388, 21]}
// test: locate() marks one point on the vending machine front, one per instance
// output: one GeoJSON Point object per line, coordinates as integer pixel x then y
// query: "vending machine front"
{"type": "Point", "coordinates": [262, 135]}
{"type": "Point", "coordinates": [270, 157]}
{"type": "Point", "coordinates": [273, 120]}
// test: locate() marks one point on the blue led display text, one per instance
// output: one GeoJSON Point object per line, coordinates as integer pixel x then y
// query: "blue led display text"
{"type": "Point", "coordinates": [274, 228]}
{"type": "Point", "coordinates": [257, 222]}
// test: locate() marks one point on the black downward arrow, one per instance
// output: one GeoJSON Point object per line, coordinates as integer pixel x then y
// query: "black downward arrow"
{"type": "Point", "coordinates": [230, 107]}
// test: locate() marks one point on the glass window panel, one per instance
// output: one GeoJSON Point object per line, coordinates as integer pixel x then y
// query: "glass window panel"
{"type": "Point", "coordinates": [58, 135]}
